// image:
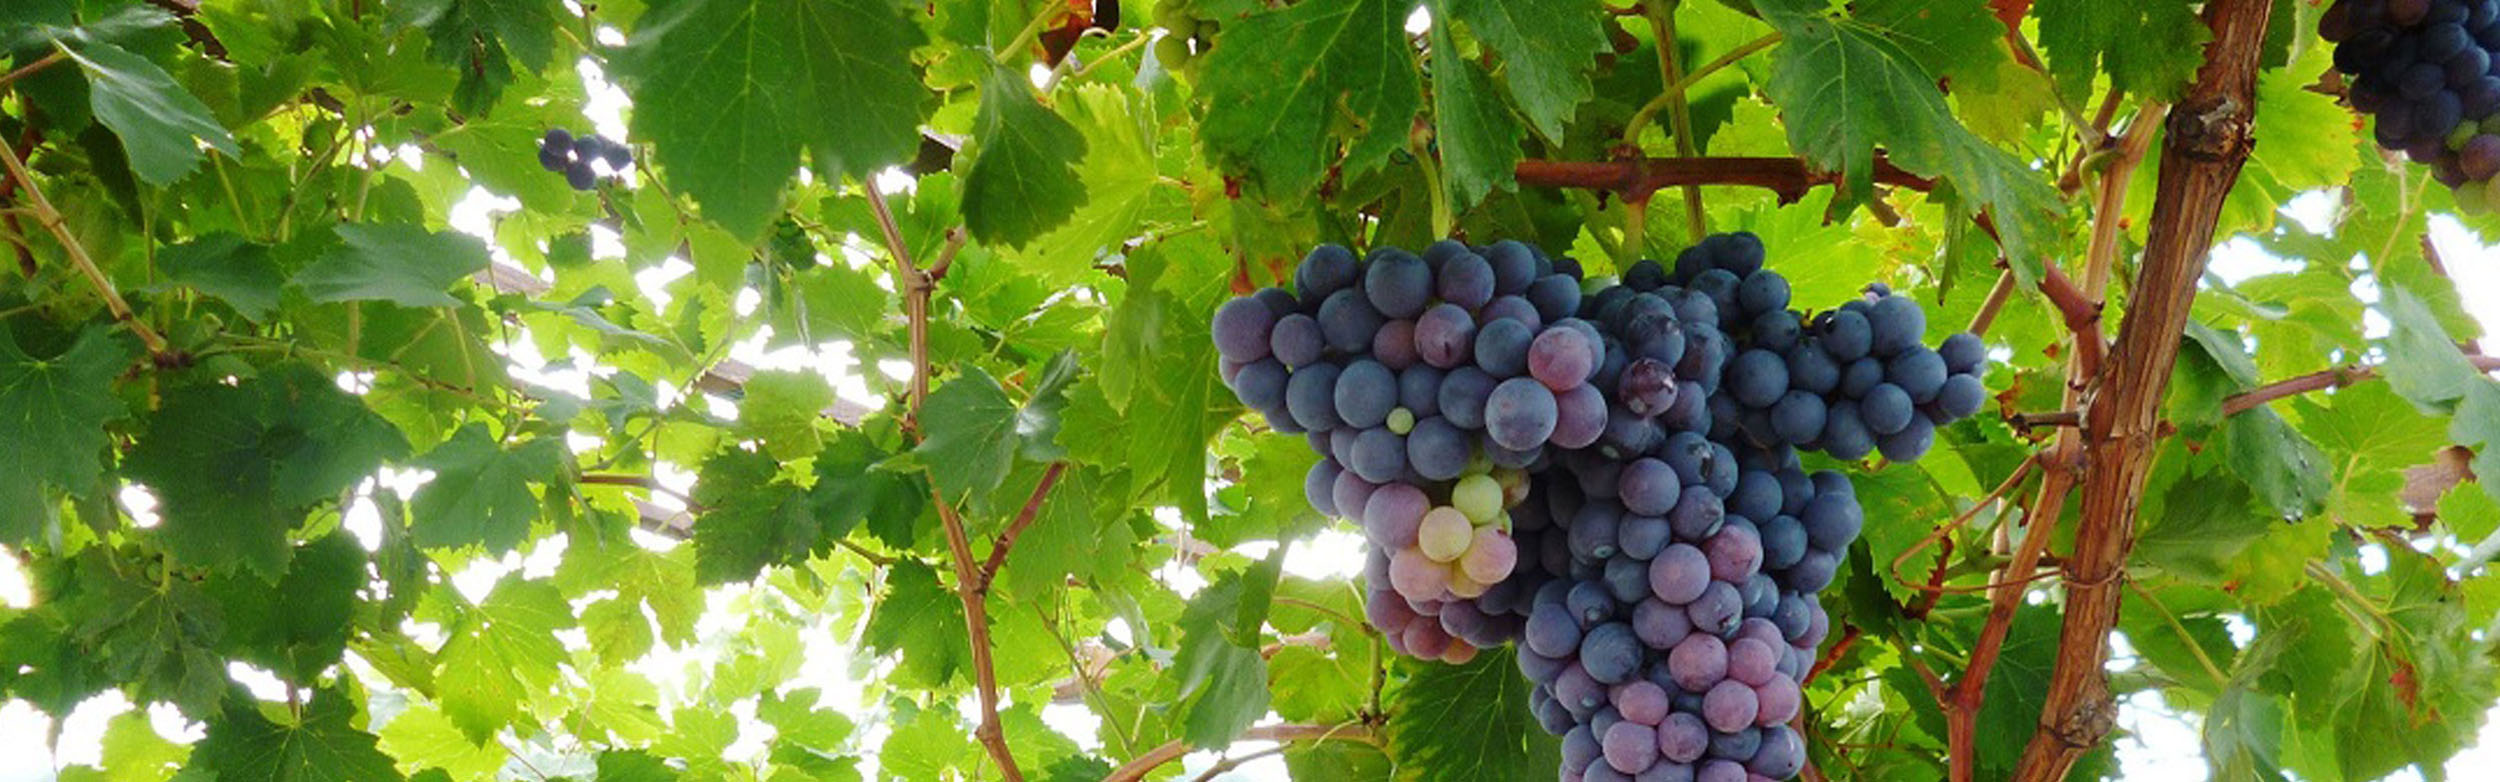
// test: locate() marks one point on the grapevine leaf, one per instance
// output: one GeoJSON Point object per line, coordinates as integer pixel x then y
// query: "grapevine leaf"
{"type": "Point", "coordinates": [2147, 48]}
{"type": "Point", "coordinates": [1222, 680]}
{"type": "Point", "coordinates": [730, 91]}
{"type": "Point", "coordinates": [235, 467]}
{"type": "Point", "coordinates": [970, 434]}
{"type": "Point", "coordinates": [500, 655]}
{"type": "Point", "coordinates": [1082, 531]}
{"type": "Point", "coordinates": [2423, 364]}
{"type": "Point", "coordinates": [1022, 180]}
{"type": "Point", "coordinates": [422, 732]}
{"type": "Point", "coordinates": [1848, 86]}
{"type": "Point", "coordinates": [228, 267]}
{"type": "Point", "coordinates": [633, 765]}
{"type": "Point", "coordinates": [1478, 138]}
{"type": "Point", "coordinates": [1465, 722]}
{"type": "Point", "coordinates": [2374, 435]}
{"type": "Point", "coordinates": [304, 635]}
{"type": "Point", "coordinates": [1273, 115]}
{"type": "Point", "coordinates": [160, 123]}
{"type": "Point", "coordinates": [923, 621]}
{"type": "Point", "coordinates": [323, 746]}
{"type": "Point", "coordinates": [2197, 524]}
{"type": "Point", "coordinates": [402, 264]}
{"type": "Point", "coordinates": [2286, 469]}
{"type": "Point", "coordinates": [1546, 46]}
{"type": "Point", "coordinates": [849, 490]}
{"type": "Point", "coordinates": [159, 637]}
{"type": "Point", "coordinates": [780, 409]}
{"type": "Point", "coordinates": [480, 493]}
{"type": "Point", "coordinates": [52, 416]}
{"type": "Point", "coordinates": [2016, 689]}
{"type": "Point", "coordinates": [753, 519]}
{"type": "Point", "coordinates": [1119, 178]}
{"type": "Point", "coordinates": [475, 36]}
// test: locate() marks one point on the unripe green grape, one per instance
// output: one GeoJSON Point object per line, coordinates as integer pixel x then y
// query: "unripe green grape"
{"type": "Point", "coordinates": [1477, 496]}
{"type": "Point", "coordinates": [1401, 420]}
{"type": "Point", "coordinates": [1445, 534]}
{"type": "Point", "coordinates": [1172, 51]}
{"type": "Point", "coordinates": [2463, 132]}
{"type": "Point", "coordinates": [2474, 198]}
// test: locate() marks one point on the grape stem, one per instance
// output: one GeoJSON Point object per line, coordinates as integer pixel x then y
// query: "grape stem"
{"type": "Point", "coordinates": [1787, 177]}
{"type": "Point", "coordinates": [51, 220]}
{"type": "Point", "coordinates": [972, 581]}
{"type": "Point", "coordinates": [1662, 22]}
{"type": "Point", "coordinates": [2337, 377]}
{"type": "Point", "coordinates": [1676, 89]}
{"type": "Point", "coordinates": [1169, 751]}
{"type": "Point", "coordinates": [2206, 142]}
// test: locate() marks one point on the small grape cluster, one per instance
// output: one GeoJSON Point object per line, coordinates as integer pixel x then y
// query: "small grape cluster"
{"type": "Point", "coordinates": [561, 151]}
{"type": "Point", "coordinates": [2429, 72]}
{"type": "Point", "coordinates": [1604, 471]}
{"type": "Point", "coordinates": [1185, 36]}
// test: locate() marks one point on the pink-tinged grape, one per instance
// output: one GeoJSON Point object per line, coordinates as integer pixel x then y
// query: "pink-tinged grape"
{"type": "Point", "coordinates": [1394, 345]}
{"type": "Point", "coordinates": [1351, 494]}
{"type": "Point", "coordinates": [1479, 497]}
{"type": "Point", "coordinates": [1735, 553]}
{"type": "Point", "coordinates": [1464, 587]}
{"type": "Point", "coordinates": [1491, 557]}
{"type": "Point", "coordinates": [1394, 513]}
{"type": "Point", "coordinates": [1444, 534]}
{"type": "Point", "coordinates": [1660, 624]}
{"type": "Point", "coordinates": [1680, 574]}
{"type": "Point", "coordinates": [1445, 336]}
{"type": "Point", "coordinates": [1520, 414]}
{"type": "Point", "coordinates": [1242, 328]}
{"type": "Point", "coordinates": [1514, 485]}
{"type": "Point", "coordinates": [1459, 652]}
{"type": "Point", "coordinates": [1579, 416]}
{"type": "Point", "coordinates": [1779, 700]}
{"type": "Point", "coordinates": [1682, 737]}
{"type": "Point", "coordinates": [1578, 692]}
{"type": "Point", "coordinates": [1729, 706]}
{"type": "Point", "coordinates": [1561, 358]}
{"type": "Point", "coordinates": [1425, 639]}
{"type": "Point", "coordinates": [1698, 662]}
{"type": "Point", "coordinates": [1388, 611]}
{"type": "Point", "coordinates": [1751, 661]}
{"type": "Point", "coordinates": [1641, 701]}
{"type": "Point", "coordinates": [1417, 577]}
{"type": "Point", "coordinates": [1630, 747]}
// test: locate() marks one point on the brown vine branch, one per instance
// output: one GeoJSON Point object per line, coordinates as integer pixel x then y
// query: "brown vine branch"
{"type": "Point", "coordinates": [971, 588]}
{"type": "Point", "coordinates": [1024, 518]}
{"type": "Point", "coordinates": [2206, 142]}
{"type": "Point", "coordinates": [29, 69]}
{"type": "Point", "coordinates": [2082, 315]}
{"type": "Point", "coordinates": [53, 222]}
{"type": "Point", "coordinates": [1172, 750]}
{"type": "Point", "coordinates": [1636, 178]}
{"type": "Point", "coordinates": [1988, 309]}
{"type": "Point", "coordinates": [2336, 377]}
{"type": "Point", "coordinates": [2058, 418]}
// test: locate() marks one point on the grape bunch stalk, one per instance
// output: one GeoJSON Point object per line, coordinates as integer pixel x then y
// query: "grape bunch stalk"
{"type": "Point", "coordinates": [1604, 471]}
{"type": "Point", "coordinates": [2428, 72]}
{"type": "Point", "coordinates": [562, 152]}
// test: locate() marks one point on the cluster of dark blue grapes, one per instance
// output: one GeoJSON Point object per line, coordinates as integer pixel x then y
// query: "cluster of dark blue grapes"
{"type": "Point", "coordinates": [2429, 72]}
{"type": "Point", "coordinates": [1604, 471]}
{"type": "Point", "coordinates": [561, 151]}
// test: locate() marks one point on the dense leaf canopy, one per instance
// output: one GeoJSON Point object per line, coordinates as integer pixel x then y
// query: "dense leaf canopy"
{"type": "Point", "coordinates": [860, 419]}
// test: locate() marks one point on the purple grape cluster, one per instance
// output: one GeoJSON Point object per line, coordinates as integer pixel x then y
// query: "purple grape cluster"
{"type": "Point", "coordinates": [1604, 471]}
{"type": "Point", "coordinates": [2429, 72]}
{"type": "Point", "coordinates": [562, 152]}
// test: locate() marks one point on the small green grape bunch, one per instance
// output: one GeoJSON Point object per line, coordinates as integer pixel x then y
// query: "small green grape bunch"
{"type": "Point", "coordinates": [562, 152]}
{"type": "Point", "coordinates": [1185, 39]}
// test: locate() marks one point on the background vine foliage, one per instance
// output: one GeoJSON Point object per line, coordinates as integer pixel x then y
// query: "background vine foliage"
{"type": "Point", "coordinates": [860, 420]}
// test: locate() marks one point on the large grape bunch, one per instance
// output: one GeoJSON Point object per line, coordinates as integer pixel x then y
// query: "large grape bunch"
{"type": "Point", "coordinates": [1604, 471]}
{"type": "Point", "coordinates": [2428, 72]}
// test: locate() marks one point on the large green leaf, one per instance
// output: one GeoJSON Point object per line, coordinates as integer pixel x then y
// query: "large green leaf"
{"type": "Point", "coordinates": [481, 490]}
{"type": "Point", "coordinates": [324, 745]}
{"type": "Point", "coordinates": [1478, 138]}
{"type": "Point", "coordinates": [161, 124]}
{"type": "Point", "coordinates": [52, 416]}
{"type": "Point", "coordinates": [1466, 722]}
{"type": "Point", "coordinates": [730, 91]}
{"type": "Point", "coordinates": [1279, 82]}
{"type": "Point", "coordinates": [1022, 180]}
{"type": "Point", "coordinates": [1547, 46]}
{"type": "Point", "coordinates": [500, 655]}
{"type": "Point", "coordinates": [401, 264]}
